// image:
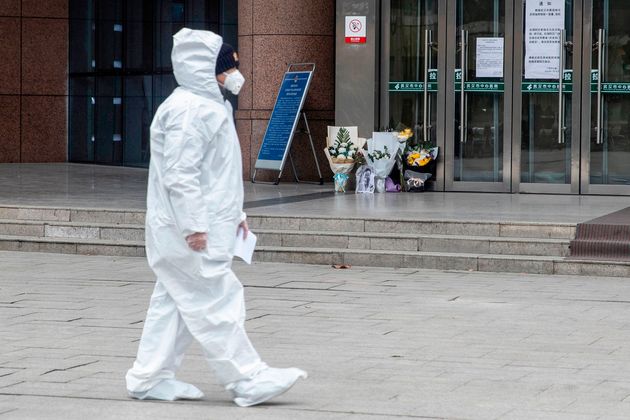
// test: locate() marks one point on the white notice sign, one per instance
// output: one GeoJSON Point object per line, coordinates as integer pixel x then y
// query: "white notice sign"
{"type": "Point", "coordinates": [489, 57]}
{"type": "Point", "coordinates": [544, 20]}
{"type": "Point", "coordinates": [356, 29]}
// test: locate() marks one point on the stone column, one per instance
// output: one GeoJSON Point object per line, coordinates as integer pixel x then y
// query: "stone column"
{"type": "Point", "coordinates": [33, 80]}
{"type": "Point", "coordinates": [273, 34]}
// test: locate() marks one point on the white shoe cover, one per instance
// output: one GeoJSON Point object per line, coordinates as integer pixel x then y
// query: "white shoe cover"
{"type": "Point", "coordinates": [267, 384]}
{"type": "Point", "coordinates": [170, 390]}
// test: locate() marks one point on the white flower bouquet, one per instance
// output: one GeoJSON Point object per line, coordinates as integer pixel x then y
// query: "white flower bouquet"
{"type": "Point", "coordinates": [383, 150]}
{"type": "Point", "coordinates": [343, 145]}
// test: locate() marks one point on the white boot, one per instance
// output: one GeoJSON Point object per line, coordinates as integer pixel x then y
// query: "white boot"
{"type": "Point", "coordinates": [169, 390]}
{"type": "Point", "coordinates": [267, 384]}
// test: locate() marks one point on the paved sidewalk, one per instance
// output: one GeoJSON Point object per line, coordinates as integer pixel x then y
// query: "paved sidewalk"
{"type": "Point", "coordinates": [378, 343]}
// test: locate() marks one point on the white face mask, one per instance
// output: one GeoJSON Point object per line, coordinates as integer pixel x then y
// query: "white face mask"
{"type": "Point", "coordinates": [234, 82]}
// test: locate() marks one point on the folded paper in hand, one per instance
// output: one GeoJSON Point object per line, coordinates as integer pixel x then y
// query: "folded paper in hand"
{"type": "Point", "coordinates": [244, 248]}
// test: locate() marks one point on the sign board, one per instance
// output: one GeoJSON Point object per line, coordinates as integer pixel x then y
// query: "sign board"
{"type": "Point", "coordinates": [544, 19]}
{"type": "Point", "coordinates": [608, 87]}
{"type": "Point", "coordinates": [433, 75]}
{"type": "Point", "coordinates": [489, 57]}
{"type": "Point", "coordinates": [550, 87]}
{"type": "Point", "coordinates": [614, 88]}
{"type": "Point", "coordinates": [356, 30]}
{"type": "Point", "coordinates": [403, 86]}
{"type": "Point", "coordinates": [478, 86]}
{"type": "Point", "coordinates": [284, 119]}
{"type": "Point", "coordinates": [545, 87]}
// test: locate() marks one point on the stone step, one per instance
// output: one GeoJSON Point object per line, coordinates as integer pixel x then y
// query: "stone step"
{"type": "Point", "coordinates": [327, 256]}
{"type": "Point", "coordinates": [327, 224]}
{"type": "Point", "coordinates": [53, 214]}
{"type": "Point", "coordinates": [48, 229]}
{"type": "Point", "coordinates": [412, 242]}
{"type": "Point", "coordinates": [443, 261]}
{"type": "Point", "coordinates": [72, 246]}
{"type": "Point", "coordinates": [344, 240]}
{"type": "Point", "coordinates": [420, 227]}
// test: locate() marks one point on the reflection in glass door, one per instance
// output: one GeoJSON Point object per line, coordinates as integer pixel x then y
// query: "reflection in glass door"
{"type": "Point", "coordinates": [481, 76]}
{"type": "Point", "coordinates": [608, 151]}
{"type": "Point", "coordinates": [546, 90]}
{"type": "Point", "coordinates": [413, 75]}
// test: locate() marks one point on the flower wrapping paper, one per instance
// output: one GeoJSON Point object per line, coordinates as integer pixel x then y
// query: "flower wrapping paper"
{"type": "Point", "coordinates": [383, 167]}
{"type": "Point", "coordinates": [341, 168]}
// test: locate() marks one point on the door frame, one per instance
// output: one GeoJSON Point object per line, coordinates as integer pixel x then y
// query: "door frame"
{"type": "Point", "coordinates": [441, 119]}
{"type": "Point", "coordinates": [587, 60]}
{"type": "Point", "coordinates": [450, 111]}
{"type": "Point", "coordinates": [576, 129]}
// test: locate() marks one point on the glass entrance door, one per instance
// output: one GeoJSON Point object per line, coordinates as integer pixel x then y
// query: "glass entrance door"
{"type": "Point", "coordinates": [546, 99]}
{"type": "Point", "coordinates": [606, 99]}
{"type": "Point", "coordinates": [521, 96]}
{"type": "Point", "coordinates": [479, 49]}
{"type": "Point", "coordinates": [410, 59]}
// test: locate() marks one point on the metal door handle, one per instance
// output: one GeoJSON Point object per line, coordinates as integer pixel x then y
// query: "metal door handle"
{"type": "Point", "coordinates": [462, 99]}
{"type": "Point", "coordinates": [600, 75]}
{"type": "Point", "coordinates": [427, 64]}
{"type": "Point", "coordinates": [561, 127]}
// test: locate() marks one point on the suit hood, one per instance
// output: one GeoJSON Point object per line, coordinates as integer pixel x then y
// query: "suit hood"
{"type": "Point", "coordinates": [194, 58]}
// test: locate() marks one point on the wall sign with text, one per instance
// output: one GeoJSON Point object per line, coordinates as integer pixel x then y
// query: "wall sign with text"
{"type": "Point", "coordinates": [356, 30]}
{"type": "Point", "coordinates": [284, 119]}
{"type": "Point", "coordinates": [544, 20]}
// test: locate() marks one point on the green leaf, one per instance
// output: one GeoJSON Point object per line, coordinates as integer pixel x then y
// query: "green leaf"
{"type": "Point", "coordinates": [343, 136]}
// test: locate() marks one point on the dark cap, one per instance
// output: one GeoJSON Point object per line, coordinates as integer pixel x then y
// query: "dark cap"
{"type": "Point", "coordinates": [227, 59]}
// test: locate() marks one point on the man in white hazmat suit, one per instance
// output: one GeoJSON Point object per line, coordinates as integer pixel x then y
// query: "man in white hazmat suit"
{"type": "Point", "coordinates": [194, 209]}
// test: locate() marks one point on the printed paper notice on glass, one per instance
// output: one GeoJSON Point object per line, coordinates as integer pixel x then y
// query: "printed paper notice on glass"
{"type": "Point", "coordinates": [489, 57]}
{"type": "Point", "coordinates": [244, 247]}
{"type": "Point", "coordinates": [543, 22]}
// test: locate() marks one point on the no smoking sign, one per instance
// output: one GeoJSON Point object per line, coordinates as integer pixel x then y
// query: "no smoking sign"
{"type": "Point", "coordinates": [356, 30]}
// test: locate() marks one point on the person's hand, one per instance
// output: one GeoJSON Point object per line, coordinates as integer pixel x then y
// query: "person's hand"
{"type": "Point", "coordinates": [197, 241]}
{"type": "Point", "coordinates": [245, 228]}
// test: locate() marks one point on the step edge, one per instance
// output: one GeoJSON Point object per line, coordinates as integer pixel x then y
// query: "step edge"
{"type": "Point", "coordinates": [485, 257]}
{"type": "Point", "coordinates": [414, 236]}
{"type": "Point", "coordinates": [403, 220]}
{"type": "Point", "coordinates": [77, 241]}
{"type": "Point", "coordinates": [407, 253]}
{"type": "Point", "coordinates": [31, 222]}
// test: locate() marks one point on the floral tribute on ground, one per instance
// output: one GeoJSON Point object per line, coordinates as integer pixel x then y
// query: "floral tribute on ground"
{"type": "Point", "coordinates": [343, 145]}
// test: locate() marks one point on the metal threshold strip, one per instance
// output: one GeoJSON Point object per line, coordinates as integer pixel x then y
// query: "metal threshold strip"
{"type": "Point", "coordinates": [287, 200]}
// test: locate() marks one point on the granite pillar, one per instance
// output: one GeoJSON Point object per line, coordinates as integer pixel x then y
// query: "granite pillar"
{"type": "Point", "coordinates": [33, 81]}
{"type": "Point", "coordinates": [272, 35]}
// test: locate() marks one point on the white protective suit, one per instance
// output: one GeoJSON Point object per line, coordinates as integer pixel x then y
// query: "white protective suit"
{"type": "Point", "coordinates": [195, 185]}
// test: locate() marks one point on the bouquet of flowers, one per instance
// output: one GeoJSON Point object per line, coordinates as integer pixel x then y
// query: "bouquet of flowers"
{"type": "Point", "coordinates": [379, 155]}
{"type": "Point", "coordinates": [417, 157]}
{"type": "Point", "coordinates": [343, 144]}
{"type": "Point", "coordinates": [417, 163]}
{"type": "Point", "coordinates": [383, 151]}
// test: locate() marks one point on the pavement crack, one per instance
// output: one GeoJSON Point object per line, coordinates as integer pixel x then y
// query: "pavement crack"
{"type": "Point", "coordinates": [330, 289]}
{"type": "Point", "coordinates": [375, 415]}
{"type": "Point", "coordinates": [257, 317]}
{"type": "Point", "coordinates": [454, 299]}
{"type": "Point", "coordinates": [594, 300]}
{"type": "Point", "coordinates": [69, 368]}
{"type": "Point", "coordinates": [10, 410]}
{"type": "Point", "coordinates": [6, 386]}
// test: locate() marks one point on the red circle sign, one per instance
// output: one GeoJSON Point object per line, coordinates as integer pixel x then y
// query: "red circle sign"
{"type": "Point", "coordinates": [355, 25]}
